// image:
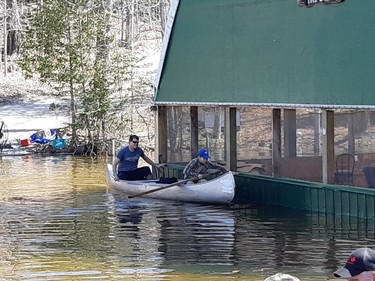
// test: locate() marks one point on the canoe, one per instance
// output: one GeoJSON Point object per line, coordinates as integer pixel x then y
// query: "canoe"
{"type": "Point", "coordinates": [219, 190]}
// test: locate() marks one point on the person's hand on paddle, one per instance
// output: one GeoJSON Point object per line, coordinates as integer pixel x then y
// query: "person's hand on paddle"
{"type": "Point", "coordinates": [160, 166]}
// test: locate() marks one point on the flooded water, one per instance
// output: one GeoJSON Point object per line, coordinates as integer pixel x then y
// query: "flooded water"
{"type": "Point", "coordinates": [58, 221]}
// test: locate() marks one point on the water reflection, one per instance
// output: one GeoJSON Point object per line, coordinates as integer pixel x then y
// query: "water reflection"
{"type": "Point", "coordinates": [58, 221]}
{"type": "Point", "coordinates": [175, 235]}
{"type": "Point", "coordinates": [207, 233]}
{"type": "Point", "coordinates": [305, 245]}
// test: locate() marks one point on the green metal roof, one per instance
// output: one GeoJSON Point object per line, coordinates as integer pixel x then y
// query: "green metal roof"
{"type": "Point", "coordinates": [269, 53]}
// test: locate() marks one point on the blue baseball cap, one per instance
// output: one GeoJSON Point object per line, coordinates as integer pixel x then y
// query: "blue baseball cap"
{"type": "Point", "coordinates": [360, 260]}
{"type": "Point", "coordinates": [203, 153]}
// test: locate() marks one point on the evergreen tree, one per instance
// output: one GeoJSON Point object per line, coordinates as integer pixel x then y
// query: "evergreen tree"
{"type": "Point", "coordinates": [78, 48]}
{"type": "Point", "coordinates": [68, 44]}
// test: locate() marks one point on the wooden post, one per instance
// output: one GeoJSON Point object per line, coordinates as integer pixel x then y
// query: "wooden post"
{"type": "Point", "coordinates": [193, 131]}
{"type": "Point", "coordinates": [231, 138]}
{"type": "Point", "coordinates": [290, 133]}
{"type": "Point", "coordinates": [328, 147]}
{"type": "Point", "coordinates": [351, 134]}
{"type": "Point", "coordinates": [5, 39]}
{"type": "Point", "coordinates": [316, 134]}
{"type": "Point", "coordinates": [331, 146]}
{"type": "Point", "coordinates": [276, 142]}
{"type": "Point", "coordinates": [161, 145]}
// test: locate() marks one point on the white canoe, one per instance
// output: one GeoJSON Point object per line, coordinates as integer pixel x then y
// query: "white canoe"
{"type": "Point", "coordinates": [217, 191]}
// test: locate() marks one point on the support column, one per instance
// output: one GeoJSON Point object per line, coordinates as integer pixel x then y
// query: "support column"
{"type": "Point", "coordinates": [161, 138]}
{"type": "Point", "coordinates": [351, 134]}
{"type": "Point", "coordinates": [276, 142]}
{"type": "Point", "coordinates": [231, 138]}
{"type": "Point", "coordinates": [328, 146]}
{"type": "Point", "coordinates": [5, 39]}
{"type": "Point", "coordinates": [194, 131]}
{"type": "Point", "coordinates": [290, 133]}
{"type": "Point", "coordinates": [317, 133]}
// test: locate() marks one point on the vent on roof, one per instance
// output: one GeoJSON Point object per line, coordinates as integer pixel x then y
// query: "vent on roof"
{"type": "Point", "coordinates": [310, 3]}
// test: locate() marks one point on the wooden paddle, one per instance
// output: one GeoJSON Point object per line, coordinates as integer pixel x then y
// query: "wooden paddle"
{"type": "Point", "coordinates": [166, 186]}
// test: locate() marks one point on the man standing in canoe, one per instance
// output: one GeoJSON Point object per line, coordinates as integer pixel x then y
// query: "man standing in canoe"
{"type": "Point", "coordinates": [127, 161]}
{"type": "Point", "coordinates": [199, 166]}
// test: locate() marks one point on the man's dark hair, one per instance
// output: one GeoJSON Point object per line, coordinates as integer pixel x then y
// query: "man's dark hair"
{"type": "Point", "coordinates": [131, 137]}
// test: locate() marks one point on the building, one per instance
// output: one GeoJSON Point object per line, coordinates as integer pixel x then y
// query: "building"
{"type": "Point", "coordinates": [307, 65]}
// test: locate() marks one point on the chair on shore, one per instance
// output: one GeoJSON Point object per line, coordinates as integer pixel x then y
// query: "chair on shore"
{"type": "Point", "coordinates": [344, 169]}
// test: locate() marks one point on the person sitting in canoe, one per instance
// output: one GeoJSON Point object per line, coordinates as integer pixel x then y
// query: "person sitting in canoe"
{"type": "Point", "coordinates": [125, 164]}
{"type": "Point", "coordinates": [198, 167]}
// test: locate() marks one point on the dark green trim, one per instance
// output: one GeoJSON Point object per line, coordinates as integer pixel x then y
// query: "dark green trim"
{"type": "Point", "coordinates": [307, 196]}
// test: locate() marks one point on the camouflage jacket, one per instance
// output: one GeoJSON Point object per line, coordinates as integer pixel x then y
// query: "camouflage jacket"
{"type": "Point", "coordinates": [194, 168]}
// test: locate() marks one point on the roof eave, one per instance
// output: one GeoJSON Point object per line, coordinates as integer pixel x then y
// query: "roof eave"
{"type": "Point", "coordinates": [265, 105]}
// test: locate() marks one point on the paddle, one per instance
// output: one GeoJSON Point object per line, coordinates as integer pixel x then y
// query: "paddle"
{"type": "Point", "coordinates": [166, 186]}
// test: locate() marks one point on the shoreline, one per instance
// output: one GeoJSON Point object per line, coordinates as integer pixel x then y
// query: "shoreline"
{"type": "Point", "coordinates": [25, 106]}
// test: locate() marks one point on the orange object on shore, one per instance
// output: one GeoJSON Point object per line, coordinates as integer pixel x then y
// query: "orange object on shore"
{"type": "Point", "coordinates": [25, 142]}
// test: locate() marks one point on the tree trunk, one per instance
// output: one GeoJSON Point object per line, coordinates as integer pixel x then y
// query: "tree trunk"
{"type": "Point", "coordinates": [162, 16]}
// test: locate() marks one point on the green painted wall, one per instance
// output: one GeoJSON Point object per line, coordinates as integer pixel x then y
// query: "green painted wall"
{"type": "Point", "coordinates": [271, 52]}
{"type": "Point", "coordinates": [307, 196]}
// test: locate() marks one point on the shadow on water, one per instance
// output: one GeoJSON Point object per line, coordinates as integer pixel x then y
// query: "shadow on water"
{"type": "Point", "coordinates": [60, 222]}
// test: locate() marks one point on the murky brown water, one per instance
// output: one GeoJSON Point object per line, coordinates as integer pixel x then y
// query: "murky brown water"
{"type": "Point", "coordinates": [58, 221]}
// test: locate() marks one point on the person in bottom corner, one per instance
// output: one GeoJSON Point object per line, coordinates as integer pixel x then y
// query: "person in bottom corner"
{"type": "Point", "coordinates": [360, 266]}
{"type": "Point", "coordinates": [125, 164]}
{"type": "Point", "coordinates": [198, 167]}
